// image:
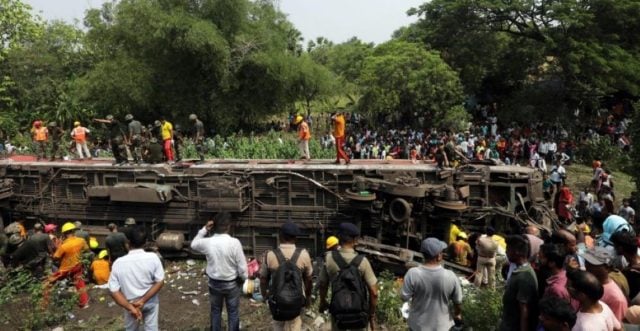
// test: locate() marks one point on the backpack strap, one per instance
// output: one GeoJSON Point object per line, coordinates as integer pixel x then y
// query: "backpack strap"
{"type": "Point", "coordinates": [296, 255]}
{"type": "Point", "coordinates": [357, 260]}
{"type": "Point", "coordinates": [282, 259]}
{"type": "Point", "coordinates": [342, 264]}
{"type": "Point", "coordinates": [279, 256]}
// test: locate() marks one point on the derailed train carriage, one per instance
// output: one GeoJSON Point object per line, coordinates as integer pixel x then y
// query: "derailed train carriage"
{"type": "Point", "coordinates": [395, 203]}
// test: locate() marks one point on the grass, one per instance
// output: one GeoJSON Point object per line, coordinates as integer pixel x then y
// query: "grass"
{"type": "Point", "coordinates": [579, 176]}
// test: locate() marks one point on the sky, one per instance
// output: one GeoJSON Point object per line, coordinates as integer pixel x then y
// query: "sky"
{"type": "Point", "coordinates": [336, 20]}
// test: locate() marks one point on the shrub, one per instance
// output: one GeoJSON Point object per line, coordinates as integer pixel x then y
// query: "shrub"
{"type": "Point", "coordinates": [389, 302]}
{"type": "Point", "coordinates": [613, 157]}
{"type": "Point", "coordinates": [481, 308]}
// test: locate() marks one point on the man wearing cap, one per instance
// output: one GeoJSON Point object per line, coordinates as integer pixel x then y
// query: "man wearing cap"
{"type": "Point", "coordinates": [597, 262]}
{"type": "Point", "coordinates": [304, 134]}
{"type": "Point", "coordinates": [288, 234]}
{"type": "Point", "coordinates": [34, 252]}
{"type": "Point", "coordinates": [79, 135]}
{"type": "Point", "coordinates": [153, 153]}
{"type": "Point", "coordinates": [56, 133]}
{"type": "Point", "coordinates": [348, 234]}
{"type": "Point", "coordinates": [520, 296]}
{"type": "Point", "coordinates": [226, 266]}
{"type": "Point", "coordinates": [116, 136]}
{"type": "Point", "coordinates": [430, 288]}
{"type": "Point", "coordinates": [40, 135]}
{"type": "Point", "coordinates": [116, 242]}
{"type": "Point", "coordinates": [198, 135]}
{"type": "Point", "coordinates": [134, 137]}
{"type": "Point", "coordinates": [69, 254]}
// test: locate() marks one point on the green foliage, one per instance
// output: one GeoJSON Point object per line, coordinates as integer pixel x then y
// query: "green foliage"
{"type": "Point", "coordinates": [405, 78]}
{"type": "Point", "coordinates": [481, 308]}
{"type": "Point", "coordinates": [22, 294]}
{"type": "Point", "coordinates": [612, 156]}
{"type": "Point", "coordinates": [389, 302]}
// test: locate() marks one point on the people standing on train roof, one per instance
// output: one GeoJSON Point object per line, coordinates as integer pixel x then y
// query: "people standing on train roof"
{"type": "Point", "coordinates": [116, 136]}
{"type": "Point", "coordinates": [55, 133]}
{"type": "Point", "coordinates": [40, 136]}
{"type": "Point", "coordinates": [134, 137]}
{"type": "Point", "coordinates": [198, 135]}
{"type": "Point", "coordinates": [304, 135]}
{"type": "Point", "coordinates": [339, 133]}
{"type": "Point", "coordinates": [167, 138]}
{"type": "Point", "coordinates": [79, 135]}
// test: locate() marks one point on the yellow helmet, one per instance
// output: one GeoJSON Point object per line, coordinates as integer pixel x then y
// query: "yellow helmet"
{"type": "Point", "coordinates": [76, 123]}
{"type": "Point", "coordinates": [297, 120]}
{"type": "Point", "coordinates": [93, 243]}
{"type": "Point", "coordinates": [332, 241]}
{"type": "Point", "coordinates": [69, 226]}
{"type": "Point", "coordinates": [462, 235]}
{"type": "Point", "coordinates": [103, 253]}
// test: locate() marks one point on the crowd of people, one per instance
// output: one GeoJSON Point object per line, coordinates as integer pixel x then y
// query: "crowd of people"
{"type": "Point", "coordinates": [127, 140]}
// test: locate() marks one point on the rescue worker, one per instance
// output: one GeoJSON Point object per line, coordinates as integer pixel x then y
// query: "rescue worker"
{"type": "Point", "coordinates": [55, 132]}
{"type": "Point", "coordinates": [40, 135]}
{"type": "Point", "coordinates": [153, 154]}
{"type": "Point", "coordinates": [116, 243]}
{"type": "Point", "coordinates": [332, 244]}
{"type": "Point", "coordinates": [79, 135]}
{"type": "Point", "coordinates": [339, 125]}
{"type": "Point", "coordinates": [34, 252]}
{"type": "Point", "coordinates": [304, 134]}
{"type": "Point", "coordinates": [178, 138]}
{"type": "Point", "coordinates": [198, 135]}
{"type": "Point", "coordinates": [100, 268]}
{"type": "Point", "coordinates": [69, 254]}
{"type": "Point", "coordinates": [134, 137]}
{"type": "Point", "coordinates": [167, 139]}
{"type": "Point", "coordinates": [116, 135]}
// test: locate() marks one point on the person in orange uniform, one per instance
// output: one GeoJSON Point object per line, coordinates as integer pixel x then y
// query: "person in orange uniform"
{"type": "Point", "coordinates": [304, 134]}
{"type": "Point", "coordinates": [166, 130]}
{"type": "Point", "coordinates": [79, 134]}
{"type": "Point", "coordinates": [339, 125]}
{"type": "Point", "coordinates": [40, 135]}
{"type": "Point", "coordinates": [100, 268]}
{"type": "Point", "coordinates": [69, 254]}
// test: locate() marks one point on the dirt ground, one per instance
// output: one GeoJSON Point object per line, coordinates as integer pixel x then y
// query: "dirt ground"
{"type": "Point", "coordinates": [184, 305]}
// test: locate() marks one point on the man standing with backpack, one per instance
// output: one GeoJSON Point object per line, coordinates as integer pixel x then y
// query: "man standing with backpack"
{"type": "Point", "coordinates": [288, 268]}
{"type": "Point", "coordinates": [354, 294]}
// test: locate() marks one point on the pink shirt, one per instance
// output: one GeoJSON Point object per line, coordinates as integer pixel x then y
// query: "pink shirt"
{"type": "Point", "coordinates": [557, 288]}
{"type": "Point", "coordinates": [615, 299]}
{"type": "Point", "coordinates": [603, 321]}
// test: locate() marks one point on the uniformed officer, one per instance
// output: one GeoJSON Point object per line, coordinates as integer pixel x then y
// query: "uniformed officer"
{"type": "Point", "coordinates": [135, 137]}
{"type": "Point", "coordinates": [178, 137]}
{"type": "Point", "coordinates": [116, 137]}
{"type": "Point", "coordinates": [55, 132]}
{"type": "Point", "coordinates": [198, 135]}
{"type": "Point", "coordinates": [154, 152]}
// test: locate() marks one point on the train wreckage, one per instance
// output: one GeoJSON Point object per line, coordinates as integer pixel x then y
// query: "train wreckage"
{"type": "Point", "coordinates": [396, 203]}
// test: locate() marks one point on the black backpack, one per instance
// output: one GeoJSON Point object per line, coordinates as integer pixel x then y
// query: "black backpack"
{"type": "Point", "coordinates": [349, 295]}
{"type": "Point", "coordinates": [285, 295]}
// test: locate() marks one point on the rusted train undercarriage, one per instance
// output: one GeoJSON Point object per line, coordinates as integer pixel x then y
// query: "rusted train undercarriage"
{"type": "Point", "coordinates": [396, 203]}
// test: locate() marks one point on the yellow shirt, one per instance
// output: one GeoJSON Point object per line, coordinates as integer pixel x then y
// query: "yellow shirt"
{"type": "Point", "coordinates": [339, 124]}
{"type": "Point", "coordinates": [69, 252]}
{"type": "Point", "coordinates": [167, 130]}
{"type": "Point", "coordinates": [500, 241]}
{"type": "Point", "coordinates": [453, 233]}
{"type": "Point", "coordinates": [100, 271]}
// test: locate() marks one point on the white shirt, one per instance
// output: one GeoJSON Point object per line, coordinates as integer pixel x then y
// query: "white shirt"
{"type": "Point", "coordinates": [557, 172]}
{"type": "Point", "coordinates": [135, 273]}
{"type": "Point", "coordinates": [543, 147]}
{"type": "Point", "coordinates": [603, 321]}
{"type": "Point", "coordinates": [225, 258]}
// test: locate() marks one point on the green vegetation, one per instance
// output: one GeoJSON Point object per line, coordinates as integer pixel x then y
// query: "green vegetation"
{"type": "Point", "coordinates": [481, 308]}
{"type": "Point", "coordinates": [579, 176]}
{"type": "Point", "coordinates": [389, 302]}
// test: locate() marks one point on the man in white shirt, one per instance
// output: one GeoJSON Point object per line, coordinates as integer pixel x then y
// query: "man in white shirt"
{"type": "Point", "coordinates": [226, 269]}
{"type": "Point", "coordinates": [134, 283]}
{"type": "Point", "coordinates": [593, 314]}
{"type": "Point", "coordinates": [557, 175]}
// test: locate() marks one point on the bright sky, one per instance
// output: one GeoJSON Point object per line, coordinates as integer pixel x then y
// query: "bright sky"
{"type": "Point", "coordinates": [337, 20]}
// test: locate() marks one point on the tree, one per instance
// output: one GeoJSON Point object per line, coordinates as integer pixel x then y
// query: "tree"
{"type": "Point", "coordinates": [312, 81]}
{"type": "Point", "coordinates": [404, 78]}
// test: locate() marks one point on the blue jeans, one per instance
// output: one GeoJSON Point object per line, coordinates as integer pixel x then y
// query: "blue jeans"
{"type": "Point", "coordinates": [229, 292]}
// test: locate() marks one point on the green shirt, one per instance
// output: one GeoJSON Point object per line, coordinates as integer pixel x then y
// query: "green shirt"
{"type": "Point", "coordinates": [522, 287]}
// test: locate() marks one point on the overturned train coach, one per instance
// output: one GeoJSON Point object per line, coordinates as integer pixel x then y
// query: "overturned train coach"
{"type": "Point", "coordinates": [395, 203]}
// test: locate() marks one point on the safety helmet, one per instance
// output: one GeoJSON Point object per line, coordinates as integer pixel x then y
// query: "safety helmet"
{"type": "Point", "coordinates": [93, 243]}
{"type": "Point", "coordinates": [462, 235]}
{"type": "Point", "coordinates": [297, 120]}
{"type": "Point", "coordinates": [103, 253]}
{"type": "Point", "coordinates": [37, 124]}
{"type": "Point", "coordinates": [177, 127]}
{"type": "Point", "coordinates": [193, 117]}
{"type": "Point", "coordinates": [153, 140]}
{"type": "Point", "coordinates": [332, 241]}
{"type": "Point", "coordinates": [128, 117]}
{"type": "Point", "coordinates": [69, 226]}
{"type": "Point", "coordinates": [15, 239]}
{"type": "Point", "coordinates": [157, 123]}
{"type": "Point", "coordinates": [130, 221]}
{"type": "Point", "coordinates": [53, 124]}
{"type": "Point", "coordinates": [109, 117]}
{"type": "Point", "coordinates": [49, 228]}
{"type": "Point", "coordinates": [76, 123]}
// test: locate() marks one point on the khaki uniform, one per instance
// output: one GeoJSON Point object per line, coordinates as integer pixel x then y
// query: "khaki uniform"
{"type": "Point", "coordinates": [270, 266]}
{"type": "Point", "coordinates": [330, 270]}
